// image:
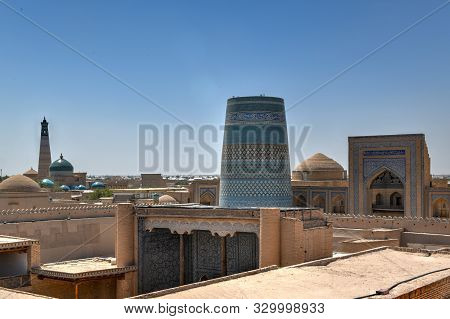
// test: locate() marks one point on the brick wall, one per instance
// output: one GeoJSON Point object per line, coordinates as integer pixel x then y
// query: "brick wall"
{"type": "Point", "coordinates": [437, 290]}
{"type": "Point", "coordinates": [269, 237]}
{"type": "Point", "coordinates": [125, 249]}
{"type": "Point", "coordinates": [68, 239]}
{"type": "Point", "coordinates": [318, 243]}
{"type": "Point", "coordinates": [299, 245]}
{"type": "Point", "coordinates": [409, 224]}
{"type": "Point", "coordinates": [125, 226]}
{"type": "Point", "coordinates": [15, 281]}
{"type": "Point", "coordinates": [57, 213]}
{"type": "Point", "coordinates": [292, 242]}
{"type": "Point", "coordinates": [95, 289]}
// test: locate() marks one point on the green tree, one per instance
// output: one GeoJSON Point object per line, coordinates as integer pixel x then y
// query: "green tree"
{"type": "Point", "coordinates": [100, 193]}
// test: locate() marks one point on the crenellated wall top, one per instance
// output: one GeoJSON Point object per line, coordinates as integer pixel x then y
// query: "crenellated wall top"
{"type": "Point", "coordinates": [409, 224]}
{"type": "Point", "coordinates": [406, 218]}
{"type": "Point", "coordinates": [56, 213]}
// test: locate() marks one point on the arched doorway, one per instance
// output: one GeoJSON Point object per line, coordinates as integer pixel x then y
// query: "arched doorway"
{"type": "Point", "coordinates": [300, 201]}
{"type": "Point", "coordinates": [379, 199]}
{"type": "Point", "coordinates": [386, 194]}
{"type": "Point", "coordinates": [440, 208]}
{"type": "Point", "coordinates": [338, 205]}
{"type": "Point", "coordinates": [396, 200]}
{"type": "Point", "coordinates": [319, 202]}
{"type": "Point", "coordinates": [207, 199]}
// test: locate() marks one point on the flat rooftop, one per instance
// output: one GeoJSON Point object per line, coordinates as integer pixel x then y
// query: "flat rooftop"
{"type": "Point", "coordinates": [82, 268]}
{"type": "Point", "coordinates": [8, 242]}
{"type": "Point", "coordinates": [17, 294]}
{"type": "Point", "coordinates": [350, 276]}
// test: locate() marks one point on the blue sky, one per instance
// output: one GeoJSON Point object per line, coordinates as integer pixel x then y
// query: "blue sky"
{"type": "Point", "coordinates": [190, 56]}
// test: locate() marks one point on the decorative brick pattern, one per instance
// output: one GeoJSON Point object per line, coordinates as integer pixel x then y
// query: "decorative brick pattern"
{"type": "Point", "coordinates": [396, 165]}
{"type": "Point", "coordinates": [374, 146]}
{"type": "Point", "coordinates": [255, 159]}
{"type": "Point", "coordinates": [269, 117]}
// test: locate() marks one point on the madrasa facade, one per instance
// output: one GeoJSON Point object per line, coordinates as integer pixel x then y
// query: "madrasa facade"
{"type": "Point", "coordinates": [389, 175]}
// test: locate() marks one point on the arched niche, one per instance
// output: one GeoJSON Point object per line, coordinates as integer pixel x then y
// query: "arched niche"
{"type": "Point", "coordinates": [300, 201]}
{"type": "Point", "coordinates": [338, 204]}
{"type": "Point", "coordinates": [207, 198]}
{"type": "Point", "coordinates": [319, 202]}
{"type": "Point", "coordinates": [385, 194]}
{"type": "Point", "coordinates": [440, 208]}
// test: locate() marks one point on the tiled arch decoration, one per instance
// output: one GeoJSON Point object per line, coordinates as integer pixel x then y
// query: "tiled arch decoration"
{"type": "Point", "coordinates": [396, 166]}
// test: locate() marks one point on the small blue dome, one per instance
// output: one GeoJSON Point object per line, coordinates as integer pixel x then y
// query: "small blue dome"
{"type": "Point", "coordinates": [81, 187]}
{"type": "Point", "coordinates": [47, 183]}
{"type": "Point", "coordinates": [155, 196]}
{"type": "Point", "coordinates": [97, 185]}
{"type": "Point", "coordinates": [64, 188]}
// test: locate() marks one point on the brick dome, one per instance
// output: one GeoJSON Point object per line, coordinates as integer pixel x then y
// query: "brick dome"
{"type": "Point", "coordinates": [167, 199]}
{"type": "Point", "coordinates": [30, 172]}
{"type": "Point", "coordinates": [19, 183]}
{"type": "Point", "coordinates": [319, 162]}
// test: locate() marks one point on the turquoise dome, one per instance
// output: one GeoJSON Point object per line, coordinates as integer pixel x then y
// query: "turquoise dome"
{"type": "Point", "coordinates": [97, 185]}
{"type": "Point", "coordinates": [64, 188]}
{"type": "Point", "coordinates": [61, 165]}
{"type": "Point", "coordinates": [47, 183]}
{"type": "Point", "coordinates": [81, 187]}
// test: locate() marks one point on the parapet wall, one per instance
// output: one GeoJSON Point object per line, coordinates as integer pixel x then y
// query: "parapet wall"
{"type": "Point", "coordinates": [311, 218]}
{"type": "Point", "coordinates": [65, 233]}
{"type": "Point", "coordinates": [409, 224]}
{"type": "Point", "coordinates": [304, 214]}
{"type": "Point", "coordinates": [299, 244]}
{"type": "Point", "coordinates": [56, 213]}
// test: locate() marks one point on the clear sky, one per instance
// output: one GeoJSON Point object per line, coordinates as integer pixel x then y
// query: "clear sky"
{"type": "Point", "coordinates": [190, 56]}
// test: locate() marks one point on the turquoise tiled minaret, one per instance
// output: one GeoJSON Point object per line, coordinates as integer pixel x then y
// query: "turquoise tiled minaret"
{"type": "Point", "coordinates": [255, 155]}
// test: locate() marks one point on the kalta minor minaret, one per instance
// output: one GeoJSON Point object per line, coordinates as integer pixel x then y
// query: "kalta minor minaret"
{"type": "Point", "coordinates": [45, 158]}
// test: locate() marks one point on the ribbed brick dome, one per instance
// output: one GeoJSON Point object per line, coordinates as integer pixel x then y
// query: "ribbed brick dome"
{"type": "Point", "coordinates": [30, 172]}
{"type": "Point", "coordinates": [319, 162]}
{"type": "Point", "coordinates": [167, 199]}
{"type": "Point", "coordinates": [19, 183]}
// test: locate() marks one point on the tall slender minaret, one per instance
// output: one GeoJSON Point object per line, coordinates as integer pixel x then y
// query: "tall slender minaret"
{"type": "Point", "coordinates": [45, 158]}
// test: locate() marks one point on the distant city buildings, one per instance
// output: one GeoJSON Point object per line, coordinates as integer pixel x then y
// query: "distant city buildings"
{"type": "Point", "coordinates": [154, 232]}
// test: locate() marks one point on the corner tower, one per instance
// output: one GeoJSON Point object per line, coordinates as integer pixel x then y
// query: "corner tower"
{"type": "Point", "coordinates": [255, 168]}
{"type": "Point", "coordinates": [45, 157]}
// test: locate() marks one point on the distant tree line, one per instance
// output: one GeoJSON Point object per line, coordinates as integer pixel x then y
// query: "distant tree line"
{"type": "Point", "coordinates": [98, 193]}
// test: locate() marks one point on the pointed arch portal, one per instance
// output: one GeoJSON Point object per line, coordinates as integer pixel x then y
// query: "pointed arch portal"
{"type": "Point", "coordinates": [386, 194]}
{"type": "Point", "coordinates": [441, 208]}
